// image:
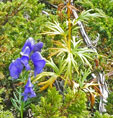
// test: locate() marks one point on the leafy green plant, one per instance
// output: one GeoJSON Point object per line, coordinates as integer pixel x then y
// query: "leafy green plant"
{"type": "Point", "coordinates": [52, 105]}
{"type": "Point", "coordinates": [66, 66]}
{"type": "Point", "coordinates": [104, 7]}
{"type": "Point", "coordinates": [6, 114]}
{"type": "Point", "coordinates": [72, 57]}
{"type": "Point", "coordinates": [98, 115]}
{"type": "Point", "coordinates": [18, 102]}
{"type": "Point", "coordinates": [20, 19]}
{"type": "Point", "coordinates": [69, 60]}
{"type": "Point", "coordinates": [71, 53]}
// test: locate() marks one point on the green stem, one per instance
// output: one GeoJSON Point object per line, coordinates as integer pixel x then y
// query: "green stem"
{"type": "Point", "coordinates": [21, 112]}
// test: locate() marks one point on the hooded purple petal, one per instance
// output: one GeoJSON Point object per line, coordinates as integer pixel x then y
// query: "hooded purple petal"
{"type": "Point", "coordinates": [30, 43]}
{"type": "Point", "coordinates": [28, 92]}
{"type": "Point", "coordinates": [38, 62]}
{"type": "Point", "coordinates": [38, 66]}
{"type": "Point", "coordinates": [32, 95]}
{"type": "Point", "coordinates": [38, 47]}
{"type": "Point", "coordinates": [25, 61]}
{"type": "Point", "coordinates": [36, 56]}
{"type": "Point", "coordinates": [16, 68]}
{"type": "Point", "coordinates": [26, 51]}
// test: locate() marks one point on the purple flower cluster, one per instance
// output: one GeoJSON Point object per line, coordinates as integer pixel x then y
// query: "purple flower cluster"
{"type": "Point", "coordinates": [30, 51]}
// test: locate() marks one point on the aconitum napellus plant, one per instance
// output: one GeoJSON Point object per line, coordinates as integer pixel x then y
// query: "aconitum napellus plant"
{"type": "Point", "coordinates": [30, 51]}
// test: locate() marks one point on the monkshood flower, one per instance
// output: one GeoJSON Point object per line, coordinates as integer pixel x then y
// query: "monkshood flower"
{"type": "Point", "coordinates": [38, 62]}
{"type": "Point", "coordinates": [38, 47]}
{"type": "Point", "coordinates": [16, 68]}
{"type": "Point", "coordinates": [25, 55]}
{"type": "Point", "coordinates": [25, 61]}
{"type": "Point", "coordinates": [28, 92]}
{"type": "Point", "coordinates": [29, 43]}
{"type": "Point", "coordinates": [29, 48]}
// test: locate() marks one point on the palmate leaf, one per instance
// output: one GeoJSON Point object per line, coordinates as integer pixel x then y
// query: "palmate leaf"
{"type": "Point", "coordinates": [58, 51]}
{"type": "Point", "coordinates": [84, 54]}
{"type": "Point", "coordinates": [77, 56]}
{"type": "Point", "coordinates": [61, 49]}
{"type": "Point", "coordinates": [87, 15]}
{"type": "Point", "coordinates": [68, 63]}
{"type": "Point", "coordinates": [84, 59]}
{"type": "Point", "coordinates": [54, 28]}
{"type": "Point", "coordinates": [90, 88]}
{"type": "Point", "coordinates": [71, 65]}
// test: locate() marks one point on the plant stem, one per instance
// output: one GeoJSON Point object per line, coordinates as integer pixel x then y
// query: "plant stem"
{"type": "Point", "coordinates": [69, 25]}
{"type": "Point", "coordinates": [21, 112]}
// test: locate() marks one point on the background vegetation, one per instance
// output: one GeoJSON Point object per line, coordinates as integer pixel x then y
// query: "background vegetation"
{"type": "Point", "coordinates": [68, 71]}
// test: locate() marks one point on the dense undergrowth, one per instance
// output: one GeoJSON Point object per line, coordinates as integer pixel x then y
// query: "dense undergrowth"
{"type": "Point", "coordinates": [65, 88]}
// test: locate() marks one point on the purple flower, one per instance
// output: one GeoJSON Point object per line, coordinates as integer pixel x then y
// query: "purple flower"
{"type": "Point", "coordinates": [38, 62]}
{"type": "Point", "coordinates": [38, 47]}
{"type": "Point", "coordinates": [15, 68]}
{"type": "Point", "coordinates": [25, 61]}
{"type": "Point", "coordinates": [28, 92]}
{"type": "Point", "coordinates": [26, 51]}
{"type": "Point", "coordinates": [30, 43]}
{"type": "Point", "coordinates": [29, 47]}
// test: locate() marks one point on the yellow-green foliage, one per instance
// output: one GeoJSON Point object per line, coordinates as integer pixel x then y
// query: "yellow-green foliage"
{"type": "Point", "coordinates": [104, 25]}
{"type": "Point", "coordinates": [98, 115]}
{"type": "Point", "coordinates": [19, 20]}
{"type": "Point", "coordinates": [6, 114]}
{"type": "Point", "coordinates": [53, 105]}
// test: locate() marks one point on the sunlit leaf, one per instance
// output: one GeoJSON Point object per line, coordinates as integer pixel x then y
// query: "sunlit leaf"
{"type": "Point", "coordinates": [41, 75]}
{"type": "Point", "coordinates": [54, 28]}
{"type": "Point", "coordinates": [48, 83]}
